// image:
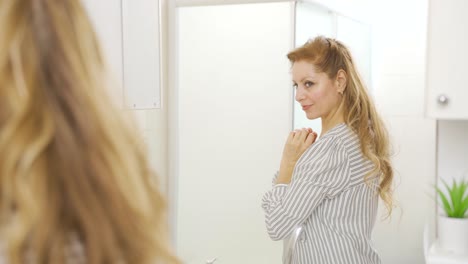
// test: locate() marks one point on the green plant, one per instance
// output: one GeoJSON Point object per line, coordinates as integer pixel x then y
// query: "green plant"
{"type": "Point", "coordinates": [456, 203]}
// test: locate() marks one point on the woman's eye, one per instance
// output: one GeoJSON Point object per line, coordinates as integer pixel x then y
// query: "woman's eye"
{"type": "Point", "coordinates": [308, 84]}
{"type": "Point", "coordinates": [294, 85]}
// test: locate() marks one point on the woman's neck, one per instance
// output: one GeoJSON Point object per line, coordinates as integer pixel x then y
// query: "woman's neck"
{"type": "Point", "coordinates": [326, 126]}
{"type": "Point", "coordinates": [332, 120]}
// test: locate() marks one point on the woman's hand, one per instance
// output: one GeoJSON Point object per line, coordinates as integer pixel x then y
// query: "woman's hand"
{"type": "Point", "coordinates": [296, 144]}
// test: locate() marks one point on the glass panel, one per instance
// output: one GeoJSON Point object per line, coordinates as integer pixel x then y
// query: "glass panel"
{"type": "Point", "coordinates": [357, 37]}
{"type": "Point", "coordinates": [311, 21]}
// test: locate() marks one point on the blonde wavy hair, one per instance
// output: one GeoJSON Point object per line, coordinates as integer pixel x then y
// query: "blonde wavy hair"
{"type": "Point", "coordinates": [329, 56]}
{"type": "Point", "coordinates": [73, 175]}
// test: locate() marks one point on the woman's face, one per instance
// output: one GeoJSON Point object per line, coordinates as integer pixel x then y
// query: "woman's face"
{"type": "Point", "coordinates": [317, 94]}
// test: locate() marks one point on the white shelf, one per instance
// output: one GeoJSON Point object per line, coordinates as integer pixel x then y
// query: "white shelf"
{"type": "Point", "coordinates": [436, 255]}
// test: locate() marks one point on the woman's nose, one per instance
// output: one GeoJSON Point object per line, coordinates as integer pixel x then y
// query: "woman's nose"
{"type": "Point", "coordinates": [299, 94]}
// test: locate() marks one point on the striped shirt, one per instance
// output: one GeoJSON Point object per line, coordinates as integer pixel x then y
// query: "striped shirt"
{"type": "Point", "coordinates": [330, 201]}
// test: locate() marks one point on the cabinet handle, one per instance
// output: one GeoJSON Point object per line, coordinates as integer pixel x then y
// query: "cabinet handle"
{"type": "Point", "coordinates": [442, 99]}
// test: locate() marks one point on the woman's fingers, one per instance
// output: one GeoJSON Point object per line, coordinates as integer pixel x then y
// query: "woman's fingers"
{"type": "Point", "coordinates": [291, 136]}
{"type": "Point", "coordinates": [301, 135]}
{"type": "Point", "coordinates": [298, 141]}
{"type": "Point", "coordinates": [311, 137]}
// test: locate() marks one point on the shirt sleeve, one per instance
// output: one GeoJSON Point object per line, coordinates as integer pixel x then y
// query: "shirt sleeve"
{"type": "Point", "coordinates": [273, 181]}
{"type": "Point", "coordinates": [322, 173]}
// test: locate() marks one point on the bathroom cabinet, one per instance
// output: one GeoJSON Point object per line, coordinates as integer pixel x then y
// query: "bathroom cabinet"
{"type": "Point", "coordinates": [447, 57]}
{"type": "Point", "coordinates": [129, 34]}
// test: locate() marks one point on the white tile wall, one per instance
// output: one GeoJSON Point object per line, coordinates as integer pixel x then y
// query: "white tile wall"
{"type": "Point", "coordinates": [400, 239]}
{"type": "Point", "coordinates": [453, 150]}
{"type": "Point", "coordinates": [400, 94]}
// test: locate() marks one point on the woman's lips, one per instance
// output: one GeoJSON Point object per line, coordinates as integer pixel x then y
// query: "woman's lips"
{"type": "Point", "coordinates": [305, 107]}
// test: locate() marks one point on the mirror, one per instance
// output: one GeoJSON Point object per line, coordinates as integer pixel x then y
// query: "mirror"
{"type": "Point", "coordinates": [233, 77]}
{"type": "Point", "coordinates": [235, 107]}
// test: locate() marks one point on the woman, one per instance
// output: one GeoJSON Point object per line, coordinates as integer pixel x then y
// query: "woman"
{"type": "Point", "coordinates": [75, 185]}
{"type": "Point", "coordinates": [329, 188]}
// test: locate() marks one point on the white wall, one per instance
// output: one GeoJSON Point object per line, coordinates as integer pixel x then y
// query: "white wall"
{"type": "Point", "coordinates": [152, 123]}
{"type": "Point", "coordinates": [453, 150]}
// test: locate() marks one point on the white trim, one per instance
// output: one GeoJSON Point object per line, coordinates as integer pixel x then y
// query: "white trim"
{"type": "Point", "coordinates": [182, 3]}
{"type": "Point", "coordinates": [293, 45]}
{"type": "Point", "coordinates": [437, 176]}
{"type": "Point", "coordinates": [427, 61]}
{"type": "Point", "coordinates": [173, 121]}
{"type": "Point", "coordinates": [160, 61]}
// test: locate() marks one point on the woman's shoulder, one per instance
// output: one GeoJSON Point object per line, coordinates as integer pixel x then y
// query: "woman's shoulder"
{"type": "Point", "coordinates": [339, 136]}
{"type": "Point", "coordinates": [340, 140]}
{"type": "Point", "coordinates": [325, 157]}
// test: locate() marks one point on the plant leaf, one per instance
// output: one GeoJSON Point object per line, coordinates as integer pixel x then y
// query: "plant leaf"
{"type": "Point", "coordinates": [449, 207]}
{"type": "Point", "coordinates": [457, 198]}
{"type": "Point", "coordinates": [445, 202]}
{"type": "Point", "coordinates": [464, 203]}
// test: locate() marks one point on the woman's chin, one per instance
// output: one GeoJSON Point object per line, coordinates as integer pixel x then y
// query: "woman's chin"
{"type": "Point", "coordinates": [312, 116]}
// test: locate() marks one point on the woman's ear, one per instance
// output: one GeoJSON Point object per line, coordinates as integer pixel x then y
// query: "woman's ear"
{"type": "Point", "coordinates": [341, 80]}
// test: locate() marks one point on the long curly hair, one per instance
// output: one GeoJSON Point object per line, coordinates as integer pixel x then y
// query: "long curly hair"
{"type": "Point", "coordinates": [73, 175]}
{"type": "Point", "coordinates": [329, 56]}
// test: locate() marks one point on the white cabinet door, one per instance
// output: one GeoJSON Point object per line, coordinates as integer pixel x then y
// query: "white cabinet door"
{"type": "Point", "coordinates": [141, 58]}
{"type": "Point", "coordinates": [128, 31]}
{"type": "Point", "coordinates": [447, 57]}
{"type": "Point", "coordinates": [106, 17]}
